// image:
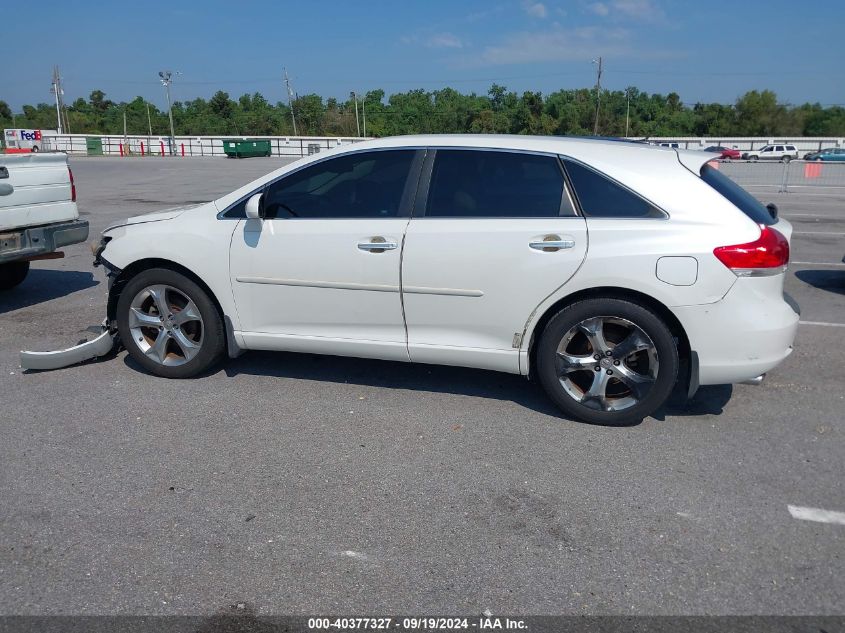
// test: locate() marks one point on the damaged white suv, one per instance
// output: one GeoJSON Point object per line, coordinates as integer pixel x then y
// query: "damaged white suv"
{"type": "Point", "coordinates": [609, 271]}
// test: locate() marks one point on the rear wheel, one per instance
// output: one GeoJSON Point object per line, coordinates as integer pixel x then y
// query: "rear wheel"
{"type": "Point", "coordinates": [607, 361]}
{"type": "Point", "coordinates": [786, 159]}
{"type": "Point", "coordinates": [169, 324]}
{"type": "Point", "coordinates": [13, 274]}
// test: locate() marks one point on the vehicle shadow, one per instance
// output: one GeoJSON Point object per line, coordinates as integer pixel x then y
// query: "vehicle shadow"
{"type": "Point", "coordinates": [44, 285]}
{"type": "Point", "coordinates": [440, 379]}
{"type": "Point", "coordinates": [831, 280]}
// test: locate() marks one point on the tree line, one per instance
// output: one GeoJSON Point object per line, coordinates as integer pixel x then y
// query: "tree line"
{"type": "Point", "coordinates": [756, 113]}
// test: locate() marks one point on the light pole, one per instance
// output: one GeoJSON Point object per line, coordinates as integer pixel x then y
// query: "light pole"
{"type": "Point", "coordinates": [357, 122]}
{"type": "Point", "coordinates": [166, 79]}
{"type": "Point", "coordinates": [598, 95]}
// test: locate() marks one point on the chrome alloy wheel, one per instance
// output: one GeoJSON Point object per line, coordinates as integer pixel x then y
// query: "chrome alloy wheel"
{"type": "Point", "coordinates": [606, 363]}
{"type": "Point", "coordinates": [166, 325]}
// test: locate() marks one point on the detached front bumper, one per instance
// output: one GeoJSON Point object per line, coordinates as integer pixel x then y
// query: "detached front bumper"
{"type": "Point", "coordinates": [31, 242]}
{"type": "Point", "coordinates": [100, 346]}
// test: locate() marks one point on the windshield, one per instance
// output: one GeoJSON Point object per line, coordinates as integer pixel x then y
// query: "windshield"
{"type": "Point", "coordinates": [738, 196]}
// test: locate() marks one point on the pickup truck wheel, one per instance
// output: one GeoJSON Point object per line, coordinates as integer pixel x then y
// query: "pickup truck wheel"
{"type": "Point", "coordinates": [169, 324]}
{"type": "Point", "coordinates": [12, 274]}
{"type": "Point", "coordinates": [607, 361]}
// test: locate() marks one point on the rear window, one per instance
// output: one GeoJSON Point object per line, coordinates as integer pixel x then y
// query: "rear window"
{"type": "Point", "coordinates": [738, 196]}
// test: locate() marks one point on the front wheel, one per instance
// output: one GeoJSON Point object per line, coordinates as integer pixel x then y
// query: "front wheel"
{"type": "Point", "coordinates": [607, 361]}
{"type": "Point", "coordinates": [13, 274]}
{"type": "Point", "coordinates": [169, 324]}
{"type": "Point", "coordinates": [786, 159]}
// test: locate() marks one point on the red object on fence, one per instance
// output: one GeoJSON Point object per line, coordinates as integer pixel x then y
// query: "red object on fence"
{"type": "Point", "coordinates": [183, 149]}
{"type": "Point", "coordinates": [162, 147]}
{"type": "Point", "coordinates": [120, 145]}
{"type": "Point", "coordinates": [812, 170]}
{"type": "Point", "coordinates": [142, 148]}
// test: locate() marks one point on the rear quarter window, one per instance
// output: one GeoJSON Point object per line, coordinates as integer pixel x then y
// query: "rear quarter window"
{"type": "Point", "coordinates": [736, 195]}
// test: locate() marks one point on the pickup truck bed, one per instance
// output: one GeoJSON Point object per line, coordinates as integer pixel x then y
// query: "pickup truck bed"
{"type": "Point", "coordinates": [38, 212]}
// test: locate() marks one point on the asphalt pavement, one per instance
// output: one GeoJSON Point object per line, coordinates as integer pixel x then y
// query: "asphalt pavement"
{"type": "Point", "coordinates": [300, 484]}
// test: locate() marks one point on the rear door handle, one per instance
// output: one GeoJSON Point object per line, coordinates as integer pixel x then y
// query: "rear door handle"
{"type": "Point", "coordinates": [551, 244]}
{"type": "Point", "coordinates": [377, 244]}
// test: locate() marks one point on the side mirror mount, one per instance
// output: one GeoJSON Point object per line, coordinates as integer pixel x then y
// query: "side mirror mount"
{"type": "Point", "coordinates": [254, 207]}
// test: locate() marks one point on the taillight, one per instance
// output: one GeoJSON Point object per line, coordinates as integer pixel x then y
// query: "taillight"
{"type": "Point", "coordinates": [767, 255]}
{"type": "Point", "coordinates": [72, 186]}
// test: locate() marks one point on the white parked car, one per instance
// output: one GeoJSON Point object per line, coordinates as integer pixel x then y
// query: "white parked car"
{"type": "Point", "coordinates": [609, 271]}
{"type": "Point", "coordinates": [782, 152]}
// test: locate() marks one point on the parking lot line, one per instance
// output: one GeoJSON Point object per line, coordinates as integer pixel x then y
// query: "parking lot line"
{"type": "Point", "coordinates": [835, 264]}
{"type": "Point", "coordinates": [822, 323]}
{"type": "Point", "coordinates": [816, 514]}
{"type": "Point", "coordinates": [816, 233]}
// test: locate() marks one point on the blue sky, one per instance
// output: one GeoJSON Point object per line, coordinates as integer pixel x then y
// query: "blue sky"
{"type": "Point", "coordinates": [707, 50]}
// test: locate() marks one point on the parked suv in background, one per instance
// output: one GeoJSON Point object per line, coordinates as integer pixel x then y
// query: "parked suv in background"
{"type": "Point", "coordinates": [609, 271]}
{"type": "Point", "coordinates": [783, 153]}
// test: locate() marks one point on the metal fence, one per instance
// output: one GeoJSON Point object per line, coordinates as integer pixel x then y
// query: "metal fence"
{"type": "Point", "coordinates": [803, 144]}
{"type": "Point", "coordinates": [796, 175]}
{"type": "Point", "coordinates": [187, 146]}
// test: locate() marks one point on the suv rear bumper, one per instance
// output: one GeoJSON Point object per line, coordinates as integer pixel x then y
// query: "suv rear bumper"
{"type": "Point", "coordinates": [38, 240]}
{"type": "Point", "coordinates": [746, 334]}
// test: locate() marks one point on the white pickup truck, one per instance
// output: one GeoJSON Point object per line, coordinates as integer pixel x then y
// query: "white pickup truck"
{"type": "Point", "coordinates": [38, 213]}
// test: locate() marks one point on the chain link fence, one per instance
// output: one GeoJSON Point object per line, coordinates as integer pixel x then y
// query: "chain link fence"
{"type": "Point", "coordinates": [795, 175]}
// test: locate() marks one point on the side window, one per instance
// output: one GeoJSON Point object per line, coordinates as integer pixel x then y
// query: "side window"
{"type": "Point", "coordinates": [359, 185]}
{"type": "Point", "coordinates": [494, 184]}
{"type": "Point", "coordinates": [601, 197]}
{"type": "Point", "coordinates": [768, 148]}
{"type": "Point", "coordinates": [779, 148]}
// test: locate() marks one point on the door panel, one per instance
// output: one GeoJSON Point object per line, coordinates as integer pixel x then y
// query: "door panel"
{"type": "Point", "coordinates": [310, 278]}
{"type": "Point", "coordinates": [469, 285]}
{"type": "Point", "coordinates": [321, 271]}
{"type": "Point", "coordinates": [474, 265]}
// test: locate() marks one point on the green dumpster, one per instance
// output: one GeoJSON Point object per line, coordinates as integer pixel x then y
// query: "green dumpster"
{"type": "Point", "coordinates": [94, 146]}
{"type": "Point", "coordinates": [246, 148]}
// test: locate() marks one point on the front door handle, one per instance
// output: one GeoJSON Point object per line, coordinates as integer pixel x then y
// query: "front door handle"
{"type": "Point", "coordinates": [377, 244]}
{"type": "Point", "coordinates": [551, 244]}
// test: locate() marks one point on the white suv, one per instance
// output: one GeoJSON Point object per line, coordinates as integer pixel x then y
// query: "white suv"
{"type": "Point", "coordinates": [783, 153]}
{"type": "Point", "coordinates": [609, 271]}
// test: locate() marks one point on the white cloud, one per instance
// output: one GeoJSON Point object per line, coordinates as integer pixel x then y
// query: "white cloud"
{"type": "Point", "coordinates": [557, 44]}
{"type": "Point", "coordinates": [434, 40]}
{"type": "Point", "coordinates": [534, 9]}
{"type": "Point", "coordinates": [642, 10]}
{"type": "Point", "coordinates": [599, 8]}
{"type": "Point", "coordinates": [444, 40]}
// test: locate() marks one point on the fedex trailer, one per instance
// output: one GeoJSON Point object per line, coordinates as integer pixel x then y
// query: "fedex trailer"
{"type": "Point", "coordinates": [20, 141]}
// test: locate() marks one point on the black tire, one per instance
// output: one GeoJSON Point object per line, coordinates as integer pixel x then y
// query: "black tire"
{"type": "Point", "coordinates": [35, 149]}
{"type": "Point", "coordinates": [753, 158]}
{"type": "Point", "coordinates": [786, 159]}
{"type": "Point", "coordinates": [212, 340]}
{"type": "Point", "coordinates": [13, 274]}
{"type": "Point", "coordinates": [621, 311]}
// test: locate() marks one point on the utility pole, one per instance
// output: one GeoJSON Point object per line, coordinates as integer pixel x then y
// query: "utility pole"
{"type": "Point", "coordinates": [598, 95]}
{"type": "Point", "coordinates": [125, 136]}
{"type": "Point", "coordinates": [56, 90]}
{"type": "Point", "coordinates": [364, 112]}
{"type": "Point", "coordinates": [166, 79]}
{"type": "Point", "coordinates": [149, 122]}
{"type": "Point", "coordinates": [627, 109]}
{"type": "Point", "coordinates": [290, 100]}
{"type": "Point", "coordinates": [357, 122]}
